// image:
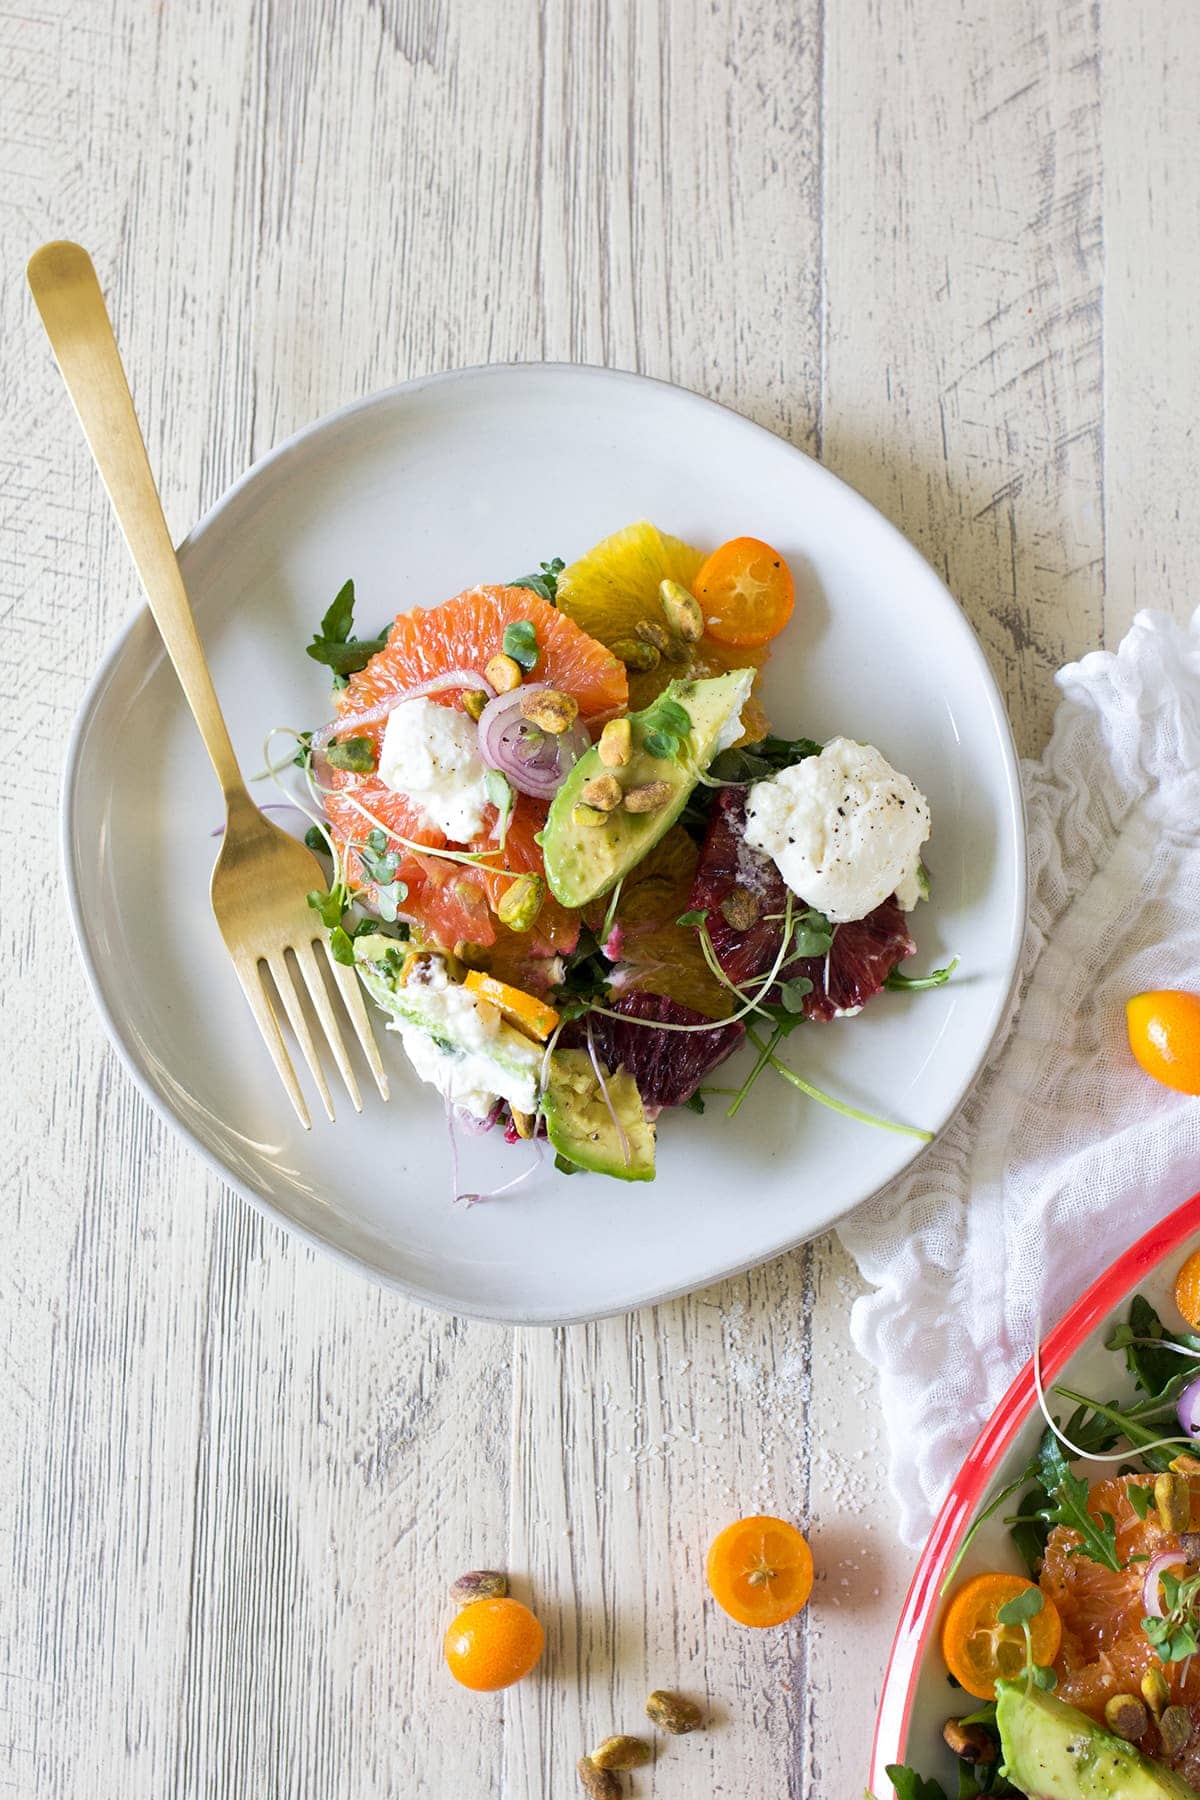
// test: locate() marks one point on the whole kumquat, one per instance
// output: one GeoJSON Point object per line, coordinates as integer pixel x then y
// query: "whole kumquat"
{"type": "Point", "coordinates": [492, 1643]}
{"type": "Point", "coordinates": [746, 593]}
{"type": "Point", "coordinates": [760, 1570]}
{"type": "Point", "coordinates": [979, 1650]}
{"type": "Point", "coordinates": [1187, 1290]}
{"type": "Point", "coordinates": [1164, 1035]}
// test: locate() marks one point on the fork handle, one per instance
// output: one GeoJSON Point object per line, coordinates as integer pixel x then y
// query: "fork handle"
{"type": "Point", "coordinates": [68, 297]}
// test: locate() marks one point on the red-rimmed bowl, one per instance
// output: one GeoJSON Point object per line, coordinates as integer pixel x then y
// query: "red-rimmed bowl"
{"type": "Point", "coordinates": [916, 1698]}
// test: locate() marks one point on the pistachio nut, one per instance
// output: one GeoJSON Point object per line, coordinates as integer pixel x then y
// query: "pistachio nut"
{"type": "Point", "coordinates": [671, 1712]}
{"type": "Point", "coordinates": [598, 1784]}
{"type": "Point", "coordinates": [521, 902]}
{"type": "Point", "coordinates": [1126, 1717]}
{"type": "Point", "coordinates": [648, 797]}
{"type": "Point", "coordinates": [682, 611]}
{"type": "Point", "coordinates": [549, 710]}
{"type": "Point", "coordinates": [503, 673]}
{"type": "Point", "coordinates": [635, 655]}
{"type": "Point", "coordinates": [616, 744]}
{"type": "Point", "coordinates": [604, 792]}
{"type": "Point", "coordinates": [479, 1584]}
{"type": "Point", "coordinates": [621, 1753]}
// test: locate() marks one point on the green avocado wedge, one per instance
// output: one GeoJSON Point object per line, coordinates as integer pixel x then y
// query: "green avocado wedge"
{"type": "Point", "coordinates": [581, 1127]}
{"type": "Point", "coordinates": [1053, 1751]}
{"type": "Point", "coordinates": [587, 852]}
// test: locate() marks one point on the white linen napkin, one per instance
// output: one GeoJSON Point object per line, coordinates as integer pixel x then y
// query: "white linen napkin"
{"type": "Point", "coordinates": [1064, 1152]}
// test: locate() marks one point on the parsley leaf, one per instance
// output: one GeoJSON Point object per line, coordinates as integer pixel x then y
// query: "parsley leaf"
{"type": "Point", "coordinates": [545, 583]}
{"type": "Point", "coordinates": [356, 755]}
{"type": "Point", "coordinates": [520, 642]}
{"type": "Point", "coordinates": [333, 645]}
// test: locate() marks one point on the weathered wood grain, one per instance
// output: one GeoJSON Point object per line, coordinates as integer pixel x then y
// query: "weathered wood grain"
{"type": "Point", "coordinates": [949, 248]}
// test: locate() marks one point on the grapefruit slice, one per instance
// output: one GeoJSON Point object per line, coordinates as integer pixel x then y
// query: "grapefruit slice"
{"type": "Point", "coordinates": [614, 587]}
{"type": "Point", "coordinates": [452, 901]}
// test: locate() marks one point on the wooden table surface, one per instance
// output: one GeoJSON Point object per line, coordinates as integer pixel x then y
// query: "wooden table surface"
{"type": "Point", "coordinates": [949, 247]}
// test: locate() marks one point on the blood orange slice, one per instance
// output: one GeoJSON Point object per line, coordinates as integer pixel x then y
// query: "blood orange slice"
{"type": "Point", "coordinates": [454, 901]}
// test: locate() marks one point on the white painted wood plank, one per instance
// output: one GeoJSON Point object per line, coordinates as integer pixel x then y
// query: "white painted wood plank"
{"type": "Point", "coordinates": [963, 281]}
{"type": "Point", "coordinates": [1151, 269]}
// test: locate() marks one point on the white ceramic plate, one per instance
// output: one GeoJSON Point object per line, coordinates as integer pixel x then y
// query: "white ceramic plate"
{"type": "Point", "coordinates": [418, 493]}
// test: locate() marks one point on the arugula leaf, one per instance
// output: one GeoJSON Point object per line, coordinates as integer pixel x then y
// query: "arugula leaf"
{"type": "Point", "coordinates": [333, 645]}
{"type": "Point", "coordinates": [1067, 1505]}
{"type": "Point", "coordinates": [357, 755]}
{"type": "Point", "coordinates": [754, 762]}
{"type": "Point", "coordinates": [911, 1786]}
{"type": "Point", "coordinates": [520, 642]}
{"type": "Point", "coordinates": [544, 583]}
{"type": "Point", "coordinates": [1152, 1369]}
{"type": "Point", "coordinates": [1141, 1499]}
{"type": "Point", "coordinates": [913, 984]}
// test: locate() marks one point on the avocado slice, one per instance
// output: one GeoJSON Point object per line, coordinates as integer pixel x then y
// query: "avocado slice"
{"type": "Point", "coordinates": [580, 1126]}
{"type": "Point", "coordinates": [1053, 1751]}
{"type": "Point", "coordinates": [584, 860]}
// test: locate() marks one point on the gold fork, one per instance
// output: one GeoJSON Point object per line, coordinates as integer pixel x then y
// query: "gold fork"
{"type": "Point", "coordinates": [262, 876]}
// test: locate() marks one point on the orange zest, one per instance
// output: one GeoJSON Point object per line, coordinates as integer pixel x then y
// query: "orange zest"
{"type": "Point", "coordinates": [1187, 1290]}
{"type": "Point", "coordinates": [746, 593]}
{"type": "Point", "coordinates": [525, 1011]}
{"type": "Point", "coordinates": [760, 1570]}
{"type": "Point", "coordinates": [1164, 1035]}
{"type": "Point", "coordinates": [492, 1643]}
{"type": "Point", "coordinates": [979, 1650]}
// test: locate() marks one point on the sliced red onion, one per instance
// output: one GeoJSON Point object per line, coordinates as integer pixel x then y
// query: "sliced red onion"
{"type": "Point", "coordinates": [437, 684]}
{"type": "Point", "coordinates": [536, 762]}
{"type": "Point", "coordinates": [1188, 1408]}
{"type": "Point", "coordinates": [1151, 1599]}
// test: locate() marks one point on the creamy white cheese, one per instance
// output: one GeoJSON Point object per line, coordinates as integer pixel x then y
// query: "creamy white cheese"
{"type": "Point", "coordinates": [845, 830]}
{"type": "Point", "coordinates": [467, 1050]}
{"type": "Point", "coordinates": [430, 754]}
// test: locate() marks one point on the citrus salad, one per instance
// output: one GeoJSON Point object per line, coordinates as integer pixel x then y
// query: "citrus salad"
{"type": "Point", "coordinates": [572, 864]}
{"type": "Point", "coordinates": [1084, 1675]}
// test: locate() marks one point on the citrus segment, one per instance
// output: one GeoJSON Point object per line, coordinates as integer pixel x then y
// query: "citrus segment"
{"type": "Point", "coordinates": [760, 1570]}
{"type": "Point", "coordinates": [746, 593]}
{"type": "Point", "coordinates": [525, 1011]}
{"type": "Point", "coordinates": [614, 587]}
{"type": "Point", "coordinates": [978, 1650]}
{"type": "Point", "coordinates": [654, 955]}
{"type": "Point", "coordinates": [1187, 1290]}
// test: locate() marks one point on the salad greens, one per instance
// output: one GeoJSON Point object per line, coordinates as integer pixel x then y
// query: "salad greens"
{"type": "Point", "coordinates": [333, 644]}
{"type": "Point", "coordinates": [544, 583]}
